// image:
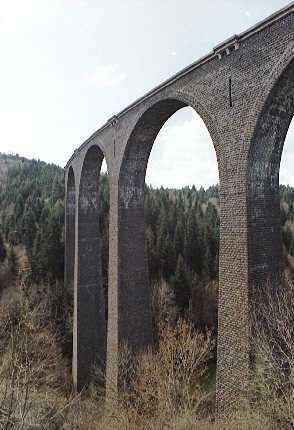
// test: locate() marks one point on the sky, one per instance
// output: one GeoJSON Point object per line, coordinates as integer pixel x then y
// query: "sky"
{"type": "Point", "coordinates": [66, 66]}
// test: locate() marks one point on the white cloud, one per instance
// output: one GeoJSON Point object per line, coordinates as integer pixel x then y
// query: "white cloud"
{"type": "Point", "coordinates": [104, 76]}
{"type": "Point", "coordinates": [173, 53]}
{"type": "Point", "coordinates": [248, 13]}
{"type": "Point", "coordinates": [183, 154]}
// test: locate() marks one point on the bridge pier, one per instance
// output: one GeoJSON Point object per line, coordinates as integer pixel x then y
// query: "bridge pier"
{"type": "Point", "coordinates": [89, 326]}
{"type": "Point", "coordinates": [129, 309]}
{"type": "Point", "coordinates": [233, 306]}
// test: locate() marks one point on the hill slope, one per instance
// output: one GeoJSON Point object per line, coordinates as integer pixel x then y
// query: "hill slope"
{"type": "Point", "coordinates": [32, 213]}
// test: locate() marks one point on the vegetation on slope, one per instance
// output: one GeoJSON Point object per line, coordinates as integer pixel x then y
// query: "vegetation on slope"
{"type": "Point", "coordinates": [160, 389]}
{"type": "Point", "coordinates": [32, 213]}
{"type": "Point", "coordinates": [182, 230]}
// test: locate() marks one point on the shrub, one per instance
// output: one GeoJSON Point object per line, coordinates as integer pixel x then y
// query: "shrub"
{"type": "Point", "coordinates": [34, 377]}
{"type": "Point", "coordinates": [272, 380]}
{"type": "Point", "coordinates": [161, 384]}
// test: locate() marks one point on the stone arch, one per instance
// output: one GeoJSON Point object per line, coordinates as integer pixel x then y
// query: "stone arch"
{"type": "Point", "coordinates": [70, 208]}
{"type": "Point", "coordinates": [207, 117]}
{"type": "Point", "coordinates": [134, 313]}
{"type": "Point", "coordinates": [264, 225]}
{"type": "Point", "coordinates": [89, 338]}
{"type": "Point", "coordinates": [255, 113]}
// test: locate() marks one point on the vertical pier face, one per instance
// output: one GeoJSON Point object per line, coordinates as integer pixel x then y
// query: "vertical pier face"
{"type": "Point", "coordinates": [89, 318]}
{"type": "Point", "coordinates": [70, 209]}
{"type": "Point", "coordinates": [244, 91]}
{"type": "Point", "coordinates": [134, 297]}
{"type": "Point", "coordinates": [251, 242]}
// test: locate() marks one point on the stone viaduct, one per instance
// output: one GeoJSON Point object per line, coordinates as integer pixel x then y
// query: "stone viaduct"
{"type": "Point", "coordinates": [244, 92]}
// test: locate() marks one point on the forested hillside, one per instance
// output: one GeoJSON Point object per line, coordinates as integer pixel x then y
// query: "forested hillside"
{"type": "Point", "coordinates": [182, 230]}
{"type": "Point", "coordinates": [32, 213]}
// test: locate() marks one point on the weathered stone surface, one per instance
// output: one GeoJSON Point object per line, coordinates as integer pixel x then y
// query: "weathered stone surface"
{"type": "Point", "coordinates": [244, 92]}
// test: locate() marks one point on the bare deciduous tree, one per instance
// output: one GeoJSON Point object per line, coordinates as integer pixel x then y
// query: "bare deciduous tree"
{"type": "Point", "coordinates": [273, 325]}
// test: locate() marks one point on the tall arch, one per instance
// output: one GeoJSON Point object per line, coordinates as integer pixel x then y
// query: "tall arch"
{"type": "Point", "coordinates": [70, 208]}
{"type": "Point", "coordinates": [89, 339]}
{"type": "Point", "coordinates": [134, 313]}
{"type": "Point", "coordinates": [265, 260]}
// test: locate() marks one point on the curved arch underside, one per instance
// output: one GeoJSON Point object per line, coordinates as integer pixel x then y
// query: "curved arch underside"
{"type": "Point", "coordinates": [90, 325]}
{"type": "Point", "coordinates": [264, 238]}
{"type": "Point", "coordinates": [134, 290]}
{"type": "Point", "coordinates": [70, 207]}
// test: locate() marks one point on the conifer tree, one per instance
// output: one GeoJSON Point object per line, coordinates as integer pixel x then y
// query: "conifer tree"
{"type": "Point", "coordinates": [12, 261]}
{"type": "Point", "coordinates": [54, 249]}
{"type": "Point", "coordinates": [182, 287]}
{"type": "Point", "coordinates": [192, 246]}
{"type": "Point", "coordinates": [151, 211]}
{"type": "Point", "coordinates": [2, 248]}
{"type": "Point", "coordinates": [29, 229]}
{"type": "Point", "coordinates": [164, 249]}
{"type": "Point", "coordinates": [36, 262]}
{"type": "Point", "coordinates": [178, 241]}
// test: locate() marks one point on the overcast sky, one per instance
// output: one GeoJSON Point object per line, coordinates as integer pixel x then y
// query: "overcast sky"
{"type": "Point", "coordinates": [69, 65]}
